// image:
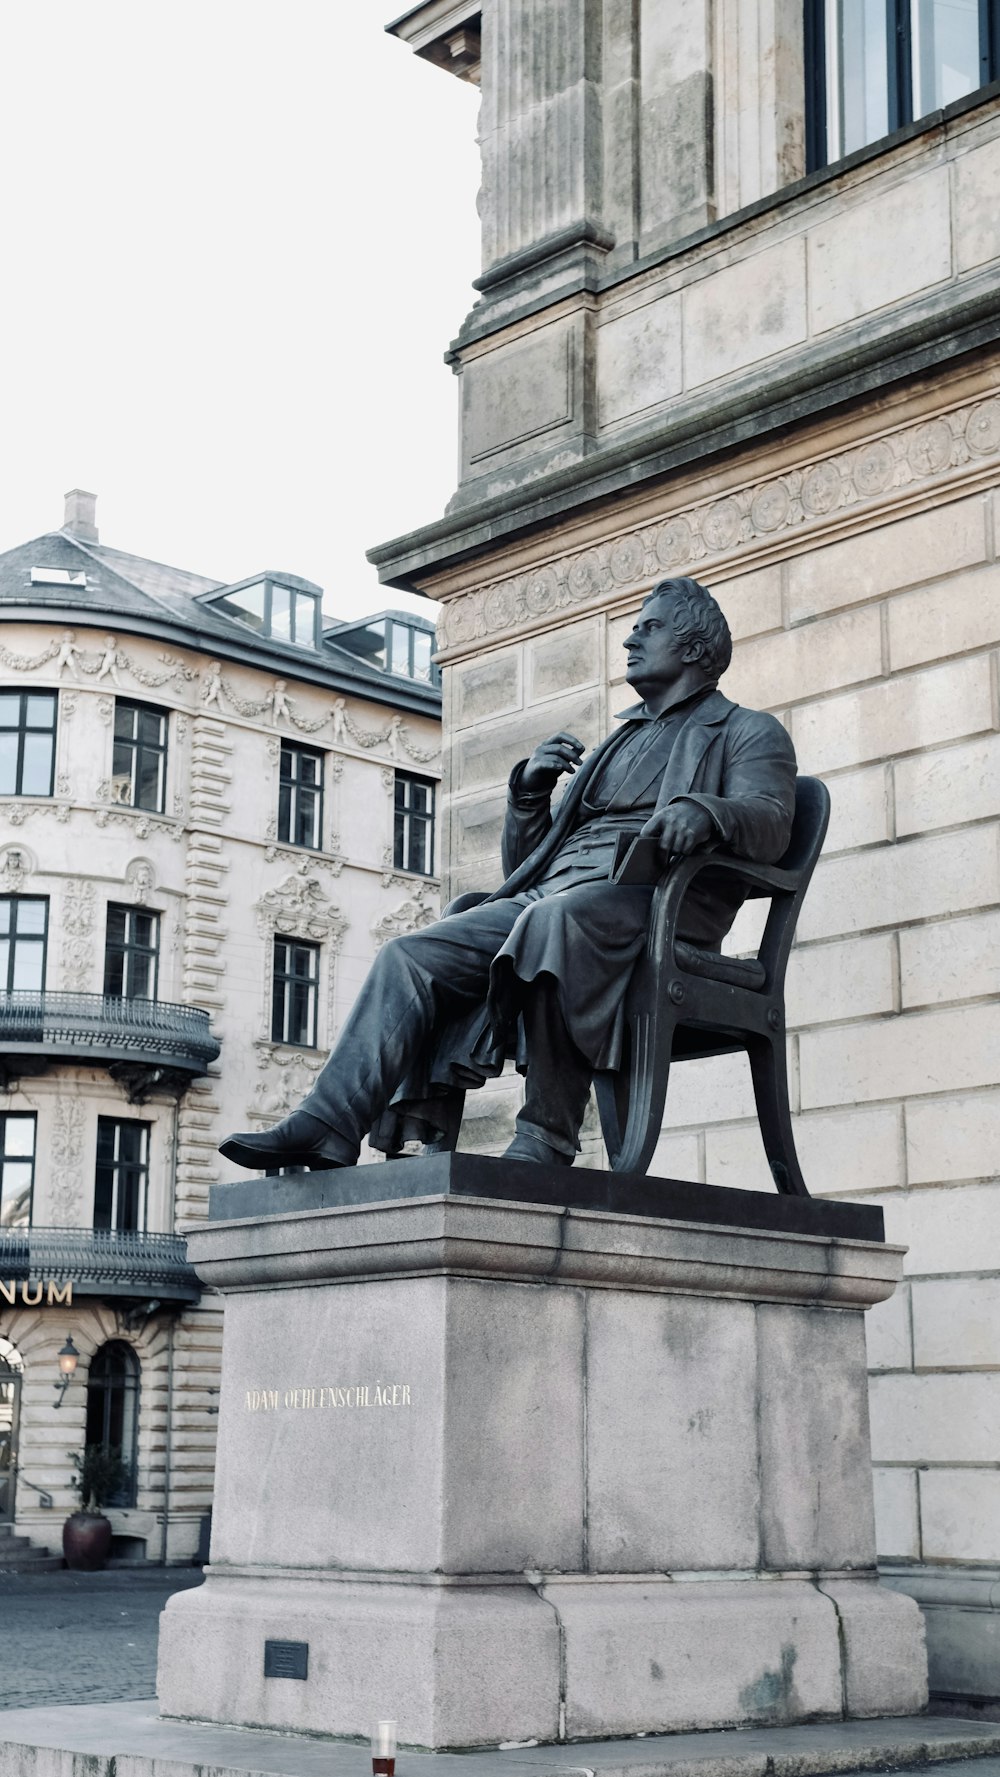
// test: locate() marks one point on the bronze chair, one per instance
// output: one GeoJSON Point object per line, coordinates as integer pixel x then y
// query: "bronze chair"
{"type": "Point", "coordinates": [685, 1002]}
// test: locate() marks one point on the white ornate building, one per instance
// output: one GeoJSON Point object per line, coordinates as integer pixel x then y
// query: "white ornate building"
{"type": "Point", "coordinates": [214, 806]}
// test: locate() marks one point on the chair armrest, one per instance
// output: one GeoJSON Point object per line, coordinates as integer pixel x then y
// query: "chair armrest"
{"type": "Point", "coordinates": [675, 882]}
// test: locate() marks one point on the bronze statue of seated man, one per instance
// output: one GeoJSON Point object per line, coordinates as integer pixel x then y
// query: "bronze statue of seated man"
{"type": "Point", "coordinates": [540, 967]}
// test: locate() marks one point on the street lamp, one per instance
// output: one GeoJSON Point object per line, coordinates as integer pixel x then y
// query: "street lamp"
{"type": "Point", "coordinates": [69, 1357]}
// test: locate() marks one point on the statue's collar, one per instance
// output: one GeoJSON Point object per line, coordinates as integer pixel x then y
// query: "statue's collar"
{"type": "Point", "coordinates": [710, 704]}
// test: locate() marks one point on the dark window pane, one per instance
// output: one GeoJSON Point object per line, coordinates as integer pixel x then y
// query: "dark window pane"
{"type": "Point", "coordinates": [121, 1174]}
{"type": "Point", "coordinates": [285, 813]}
{"type": "Point", "coordinates": [125, 717]}
{"type": "Point", "coordinates": [117, 917]}
{"type": "Point", "coordinates": [143, 926]}
{"type": "Point", "coordinates": [149, 780]}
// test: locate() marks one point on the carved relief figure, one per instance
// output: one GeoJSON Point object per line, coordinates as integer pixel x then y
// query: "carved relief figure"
{"type": "Point", "coordinates": [213, 685]}
{"type": "Point", "coordinates": [109, 661]}
{"type": "Point", "coordinates": [67, 654]}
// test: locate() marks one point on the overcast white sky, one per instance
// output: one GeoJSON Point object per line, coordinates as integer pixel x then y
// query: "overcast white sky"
{"type": "Point", "coordinates": [237, 236]}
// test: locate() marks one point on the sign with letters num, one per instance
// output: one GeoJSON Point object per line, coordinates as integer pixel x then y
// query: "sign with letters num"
{"type": "Point", "coordinates": [355, 1394]}
{"type": "Point", "coordinates": [33, 1295]}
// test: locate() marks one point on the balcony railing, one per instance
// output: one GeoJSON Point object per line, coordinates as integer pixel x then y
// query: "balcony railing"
{"type": "Point", "coordinates": [99, 1261]}
{"type": "Point", "coordinates": [107, 1027]}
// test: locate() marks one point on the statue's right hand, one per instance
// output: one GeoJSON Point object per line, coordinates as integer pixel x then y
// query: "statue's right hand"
{"type": "Point", "coordinates": [561, 752]}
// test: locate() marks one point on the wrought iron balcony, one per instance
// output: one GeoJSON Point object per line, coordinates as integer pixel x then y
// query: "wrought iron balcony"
{"type": "Point", "coordinates": [144, 1043]}
{"type": "Point", "coordinates": [98, 1262]}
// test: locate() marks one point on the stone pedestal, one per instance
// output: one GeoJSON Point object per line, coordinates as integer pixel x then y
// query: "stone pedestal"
{"type": "Point", "coordinates": [516, 1471]}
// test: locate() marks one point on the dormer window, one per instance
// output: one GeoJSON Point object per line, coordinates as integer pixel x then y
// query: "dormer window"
{"type": "Point", "coordinates": [285, 610]}
{"type": "Point", "coordinates": [393, 644]}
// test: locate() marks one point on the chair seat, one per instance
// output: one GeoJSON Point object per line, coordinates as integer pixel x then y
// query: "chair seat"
{"type": "Point", "coordinates": [735, 971]}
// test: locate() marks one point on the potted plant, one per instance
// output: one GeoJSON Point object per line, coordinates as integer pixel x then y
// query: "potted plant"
{"type": "Point", "coordinates": [86, 1537]}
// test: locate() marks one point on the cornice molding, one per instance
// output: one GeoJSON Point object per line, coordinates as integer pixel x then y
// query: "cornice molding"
{"type": "Point", "coordinates": [918, 464]}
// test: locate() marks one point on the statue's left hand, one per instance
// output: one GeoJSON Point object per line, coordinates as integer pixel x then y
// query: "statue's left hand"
{"type": "Point", "coordinates": [679, 828]}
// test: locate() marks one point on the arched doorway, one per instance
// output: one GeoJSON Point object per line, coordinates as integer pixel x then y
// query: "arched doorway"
{"type": "Point", "coordinates": [11, 1370]}
{"type": "Point", "coordinates": [113, 1409]}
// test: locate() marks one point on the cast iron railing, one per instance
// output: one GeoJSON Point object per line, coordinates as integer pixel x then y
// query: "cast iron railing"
{"type": "Point", "coordinates": [100, 1262]}
{"type": "Point", "coordinates": [105, 1021]}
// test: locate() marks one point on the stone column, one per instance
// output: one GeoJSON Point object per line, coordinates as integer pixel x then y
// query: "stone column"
{"type": "Point", "coordinates": [510, 1471]}
{"type": "Point", "coordinates": [540, 132]}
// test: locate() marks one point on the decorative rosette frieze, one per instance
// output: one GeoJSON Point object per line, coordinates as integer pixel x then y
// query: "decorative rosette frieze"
{"type": "Point", "coordinates": [954, 445]}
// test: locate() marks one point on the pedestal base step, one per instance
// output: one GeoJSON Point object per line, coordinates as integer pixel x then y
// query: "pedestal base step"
{"type": "Point", "coordinates": [474, 1665]}
{"type": "Point", "coordinates": [98, 1740]}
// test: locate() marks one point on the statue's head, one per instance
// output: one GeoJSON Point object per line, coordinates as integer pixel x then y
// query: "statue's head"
{"type": "Point", "coordinates": [680, 643]}
{"type": "Point", "coordinates": [698, 623]}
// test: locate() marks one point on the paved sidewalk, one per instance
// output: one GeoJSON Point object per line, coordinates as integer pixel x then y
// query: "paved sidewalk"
{"type": "Point", "coordinates": [115, 1738]}
{"type": "Point", "coordinates": [82, 1637]}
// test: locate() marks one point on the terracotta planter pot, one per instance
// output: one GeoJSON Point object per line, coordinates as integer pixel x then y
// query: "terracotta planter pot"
{"type": "Point", "coordinates": [86, 1541]}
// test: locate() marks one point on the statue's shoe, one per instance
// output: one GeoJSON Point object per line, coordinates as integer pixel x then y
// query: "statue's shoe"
{"type": "Point", "coordinates": [533, 1148]}
{"type": "Point", "coordinates": [301, 1140]}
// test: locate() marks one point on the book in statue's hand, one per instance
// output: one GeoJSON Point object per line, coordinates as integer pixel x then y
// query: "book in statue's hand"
{"type": "Point", "coordinates": [639, 863]}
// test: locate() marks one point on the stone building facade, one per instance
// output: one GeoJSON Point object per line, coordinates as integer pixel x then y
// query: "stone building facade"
{"type": "Point", "coordinates": [709, 340]}
{"type": "Point", "coordinates": [214, 806]}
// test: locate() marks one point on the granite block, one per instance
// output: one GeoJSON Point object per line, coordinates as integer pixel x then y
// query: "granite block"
{"type": "Point", "coordinates": [816, 1491]}
{"type": "Point", "coordinates": [671, 1433]}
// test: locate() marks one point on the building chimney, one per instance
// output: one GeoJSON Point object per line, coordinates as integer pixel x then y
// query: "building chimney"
{"type": "Point", "coordinates": [80, 515]}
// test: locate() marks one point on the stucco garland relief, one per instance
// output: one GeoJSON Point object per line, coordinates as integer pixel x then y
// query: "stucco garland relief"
{"type": "Point", "coordinates": [105, 662]}
{"type": "Point", "coordinates": [108, 662]}
{"type": "Point", "coordinates": [919, 453]}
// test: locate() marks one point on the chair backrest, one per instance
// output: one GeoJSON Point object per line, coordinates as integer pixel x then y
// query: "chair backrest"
{"type": "Point", "coordinates": [812, 817]}
{"type": "Point", "coordinates": [809, 825]}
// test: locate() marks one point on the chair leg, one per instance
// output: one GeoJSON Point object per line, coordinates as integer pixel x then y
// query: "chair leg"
{"type": "Point", "coordinates": [636, 1095]}
{"type": "Point", "coordinates": [770, 1086]}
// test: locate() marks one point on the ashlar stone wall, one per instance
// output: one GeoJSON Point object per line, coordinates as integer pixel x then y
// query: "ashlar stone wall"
{"type": "Point", "coordinates": [858, 564]}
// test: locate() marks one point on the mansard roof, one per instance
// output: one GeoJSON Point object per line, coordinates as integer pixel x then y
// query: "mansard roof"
{"type": "Point", "coordinates": [134, 595]}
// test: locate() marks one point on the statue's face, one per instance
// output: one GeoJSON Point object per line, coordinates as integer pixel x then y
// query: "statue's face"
{"type": "Point", "coordinates": [655, 657]}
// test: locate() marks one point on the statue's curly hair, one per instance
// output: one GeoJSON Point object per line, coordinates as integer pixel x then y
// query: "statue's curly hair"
{"type": "Point", "coordinates": [697, 617]}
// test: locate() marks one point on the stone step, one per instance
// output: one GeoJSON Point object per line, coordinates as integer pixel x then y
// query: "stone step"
{"type": "Point", "coordinates": [36, 1562]}
{"type": "Point", "coordinates": [91, 1740]}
